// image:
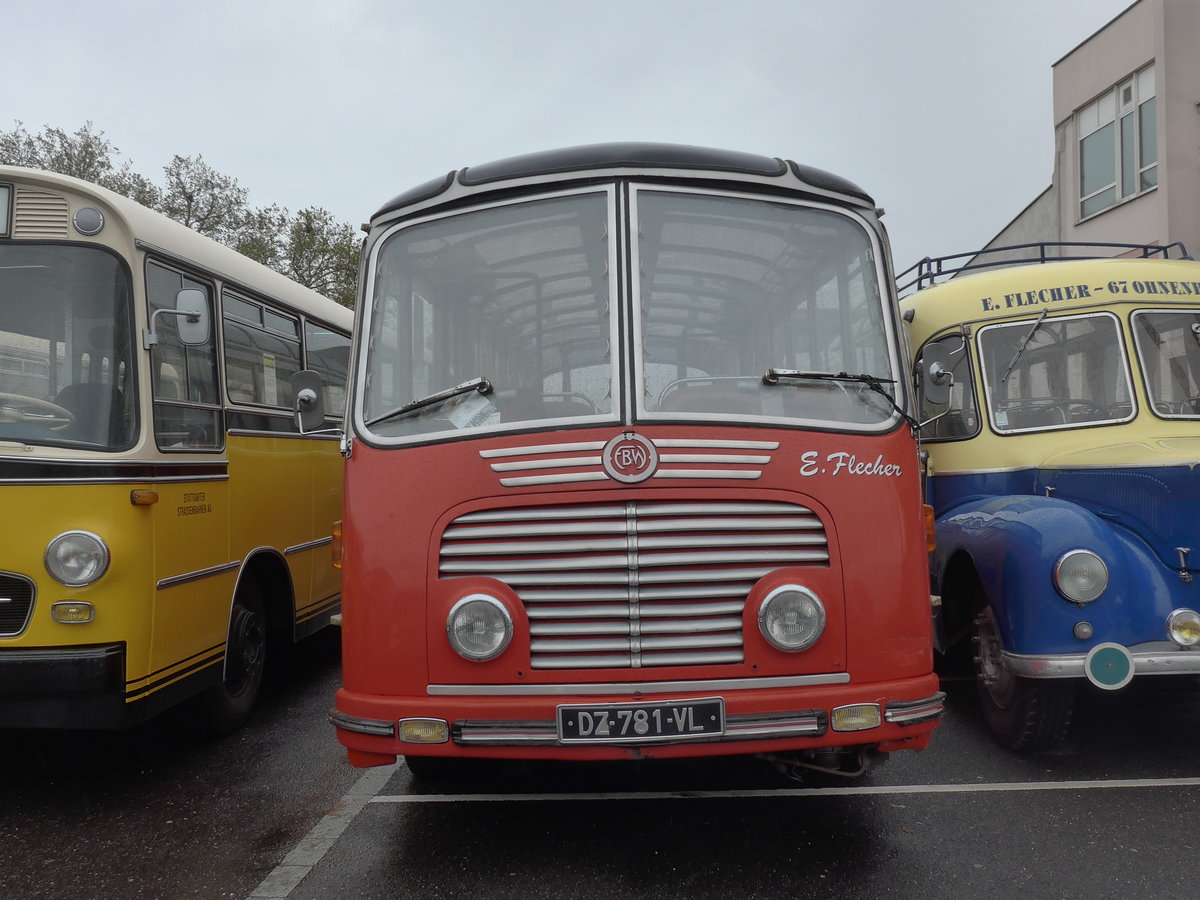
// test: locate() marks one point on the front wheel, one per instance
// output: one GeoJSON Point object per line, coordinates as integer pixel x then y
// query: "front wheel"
{"type": "Point", "coordinates": [1025, 714]}
{"type": "Point", "coordinates": [225, 707]}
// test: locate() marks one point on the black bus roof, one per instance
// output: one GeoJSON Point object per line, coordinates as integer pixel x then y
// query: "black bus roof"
{"type": "Point", "coordinates": [627, 155]}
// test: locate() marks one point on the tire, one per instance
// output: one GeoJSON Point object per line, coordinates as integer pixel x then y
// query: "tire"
{"type": "Point", "coordinates": [1024, 714]}
{"type": "Point", "coordinates": [225, 707]}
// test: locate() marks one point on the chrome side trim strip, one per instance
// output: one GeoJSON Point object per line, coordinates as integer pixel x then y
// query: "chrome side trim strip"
{"type": "Point", "coordinates": [176, 580]}
{"type": "Point", "coordinates": [308, 545]}
{"type": "Point", "coordinates": [542, 448]}
{"type": "Point", "coordinates": [556, 462]}
{"type": "Point", "coordinates": [720, 445]}
{"type": "Point", "coordinates": [553, 479]}
{"type": "Point", "coordinates": [741, 474]}
{"type": "Point", "coordinates": [634, 687]}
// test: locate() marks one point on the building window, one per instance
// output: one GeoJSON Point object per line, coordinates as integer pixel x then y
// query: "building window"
{"type": "Point", "coordinates": [1118, 144]}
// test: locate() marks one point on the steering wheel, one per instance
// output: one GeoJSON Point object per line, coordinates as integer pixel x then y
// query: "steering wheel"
{"type": "Point", "coordinates": [19, 408]}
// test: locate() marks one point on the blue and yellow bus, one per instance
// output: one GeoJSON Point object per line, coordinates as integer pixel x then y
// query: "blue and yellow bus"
{"type": "Point", "coordinates": [162, 516]}
{"type": "Point", "coordinates": [1064, 474]}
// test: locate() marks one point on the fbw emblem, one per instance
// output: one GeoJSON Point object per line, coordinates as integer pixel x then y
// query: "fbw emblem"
{"type": "Point", "coordinates": [630, 458]}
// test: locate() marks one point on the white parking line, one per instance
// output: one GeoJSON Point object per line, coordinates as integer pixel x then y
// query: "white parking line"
{"type": "Point", "coordinates": [783, 793]}
{"type": "Point", "coordinates": [309, 852]}
{"type": "Point", "coordinates": [314, 845]}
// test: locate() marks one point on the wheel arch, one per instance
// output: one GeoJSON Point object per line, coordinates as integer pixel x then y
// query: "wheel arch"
{"type": "Point", "coordinates": [268, 569]}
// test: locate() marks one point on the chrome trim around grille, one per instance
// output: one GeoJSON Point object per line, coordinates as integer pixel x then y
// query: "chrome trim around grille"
{"type": "Point", "coordinates": [638, 583]}
{"type": "Point", "coordinates": [705, 456]}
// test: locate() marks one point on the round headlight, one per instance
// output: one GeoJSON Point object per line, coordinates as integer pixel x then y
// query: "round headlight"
{"type": "Point", "coordinates": [1183, 627]}
{"type": "Point", "coordinates": [76, 558]}
{"type": "Point", "coordinates": [479, 627]}
{"type": "Point", "coordinates": [791, 618]}
{"type": "Point", "coordinates": [1080, 576]}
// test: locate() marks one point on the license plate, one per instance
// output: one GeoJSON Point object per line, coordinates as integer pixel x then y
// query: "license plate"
{"type": "Point", "coordinates": [607, 723]}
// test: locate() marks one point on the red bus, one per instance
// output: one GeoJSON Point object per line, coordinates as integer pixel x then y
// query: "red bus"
{"type": "Point", "coordinates": [631, 471]}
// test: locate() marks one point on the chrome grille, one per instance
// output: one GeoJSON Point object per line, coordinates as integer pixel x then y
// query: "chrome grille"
{"type": "Point", "coordinates": [16, 603]}
{"type": "Point", "coordinates": [636, 584]}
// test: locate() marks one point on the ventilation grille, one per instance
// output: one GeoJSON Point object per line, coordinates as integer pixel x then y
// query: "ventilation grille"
{"type": "Point", "coordinates": [41, 214]}
{"type": "Point", "coordinates": [16, 603]}
{"type": "Point", "coordinates": [636, 584]}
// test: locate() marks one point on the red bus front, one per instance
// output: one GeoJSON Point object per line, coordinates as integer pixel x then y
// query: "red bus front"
{"type": "Point", "coordinates": [629, 474]}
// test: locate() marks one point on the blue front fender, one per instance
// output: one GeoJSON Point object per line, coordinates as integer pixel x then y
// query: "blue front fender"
{"type": "Point", "coordinates": [1014, 543]}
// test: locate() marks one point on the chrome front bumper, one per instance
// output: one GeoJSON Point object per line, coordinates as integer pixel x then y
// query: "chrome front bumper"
{"type": "Point", "coordinates": [1151, 658]}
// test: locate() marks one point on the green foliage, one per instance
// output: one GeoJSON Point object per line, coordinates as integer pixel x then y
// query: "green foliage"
{"type": "Point", "coordinates": [309, 247]}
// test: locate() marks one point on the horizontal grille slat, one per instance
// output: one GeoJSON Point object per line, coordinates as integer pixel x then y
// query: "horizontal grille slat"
{"type": "Point", "coordinates": [682, 626]}
{"type": "Point", "coordinates": [636, 584]}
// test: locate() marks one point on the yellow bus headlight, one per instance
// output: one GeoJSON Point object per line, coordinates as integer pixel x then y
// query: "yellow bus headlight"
{"type": "Point", "coordinates": [76, 558]}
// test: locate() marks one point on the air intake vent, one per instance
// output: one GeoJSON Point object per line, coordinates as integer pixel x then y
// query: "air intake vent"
{"type": "Point", "coordinates": [637, 584]}
{"type": "Point", "coordinates": [16, 603]}
{"type": "Point", "coordinates": [41, 214]}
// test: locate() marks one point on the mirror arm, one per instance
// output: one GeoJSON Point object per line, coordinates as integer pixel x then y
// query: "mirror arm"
{"type": "Point", "coordinates": [150, 336]}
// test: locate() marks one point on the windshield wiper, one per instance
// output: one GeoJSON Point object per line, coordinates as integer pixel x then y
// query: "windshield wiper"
{"type": "Point", "coordinates": [874, 383]}
{"type": "Point", "coordinates": [1021, 347]}
{"type": "Point", "coordinates": [480, 384]}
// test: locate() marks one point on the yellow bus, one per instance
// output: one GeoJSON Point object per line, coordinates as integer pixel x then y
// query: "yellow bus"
{"type": "Point", "coordinates": [162, 516]}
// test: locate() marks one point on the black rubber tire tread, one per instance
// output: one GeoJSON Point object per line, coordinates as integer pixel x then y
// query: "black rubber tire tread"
{"type": "Point", "coordinates": [1039, 717]}
{"type": "Point", "coordinates": [224, 708]}
{"type": "Point", "coordinates": [1024, 714]}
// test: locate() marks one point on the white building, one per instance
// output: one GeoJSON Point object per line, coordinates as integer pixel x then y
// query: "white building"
{"type": "Point", "coordinates": [1127, 137]}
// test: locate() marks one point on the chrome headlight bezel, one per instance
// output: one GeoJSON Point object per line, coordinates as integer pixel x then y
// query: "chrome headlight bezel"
{"type": "Point", "coordinates": [1080, 576]}
{"type": "Point", "coordinates": [1183, 627]}
{"type": "Point", "coordinates": [491, 622]}
{"type": "Point", "coordinates": [77, 558]}
{"type": "Point", "coordinates": [801, 601]}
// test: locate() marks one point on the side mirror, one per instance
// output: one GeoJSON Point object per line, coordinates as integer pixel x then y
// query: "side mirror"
{"type": "Point", "coordinates": [193, 325]}
{"type": "Point", "coordinates": [309, 408]}
{"type": "Point", "coordinates": [936, 377]}
{"type": "Point", "coordinates": [191, 306]}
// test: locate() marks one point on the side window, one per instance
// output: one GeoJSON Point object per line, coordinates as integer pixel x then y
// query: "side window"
{"type": "Point", "coordinates": [187, 415]}
{"type": "Point", "coordinates": [961, 420]}
{"type": "Point", "coordinates": [262, 353]}
{"type": "Point", "coordinates": [328, 354]}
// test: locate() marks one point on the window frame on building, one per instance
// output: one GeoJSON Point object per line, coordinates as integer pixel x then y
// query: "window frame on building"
{"type": "Point", "coordinates": [1117, 136]}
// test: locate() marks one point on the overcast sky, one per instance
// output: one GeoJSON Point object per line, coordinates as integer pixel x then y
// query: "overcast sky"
{"type": "Point", "coordinates": [941, 109]}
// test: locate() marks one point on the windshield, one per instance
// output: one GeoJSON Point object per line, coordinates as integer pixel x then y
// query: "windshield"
{"type": "Point", "coordinates": [730, 287]}
{"type": "Point", "coordinates": [505, 317]}
{"type": "Point", "coordinates": [66, 353]}
{"type": "Point", "coordinates": [1168, 347]}
{"type": "Point", "coordinates": [1059, 373]}
{"type": "Point", "coordinates": [518, 295]}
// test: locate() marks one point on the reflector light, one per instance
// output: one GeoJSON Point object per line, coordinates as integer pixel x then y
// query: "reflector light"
{"type": "Point", "coordinates": [423, 731]}
{"type": "Point", "coordinates": [858, 717]}
{"type": "Point", "coordinates": [72, 612]}
{"type": "Point", "coordinates": [339, 549]}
